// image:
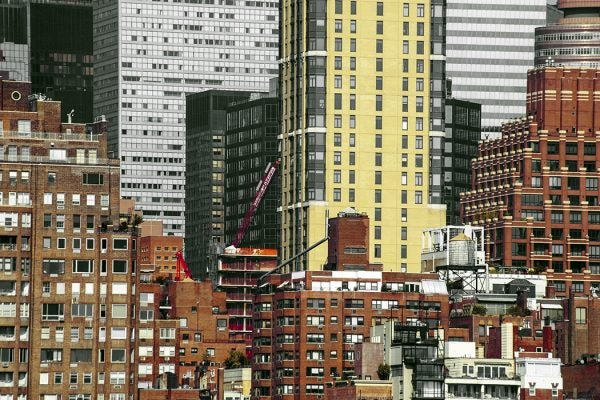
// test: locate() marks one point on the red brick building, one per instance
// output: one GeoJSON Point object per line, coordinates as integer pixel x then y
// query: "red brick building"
{"type": "Point", "coordinates": [157, 256]}
{"type": "Point", "coordinates": [535, 190]}
{"type": "Point", "coordinates": [237, 274]}
{"type": "Point", "coordinates": [307, 324]}
{"type": "Point", "coordinates": [581, 380]}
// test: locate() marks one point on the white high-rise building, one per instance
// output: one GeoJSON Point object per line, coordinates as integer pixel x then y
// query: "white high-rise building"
{"type": "Point", "coordinates": [489, 48]}
{"type": "Point", "coordinates": [148, 56]}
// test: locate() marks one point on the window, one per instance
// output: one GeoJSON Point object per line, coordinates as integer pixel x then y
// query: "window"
{"type": "Point", "coordinates": [337, 157]}
{"type": "Point", "coordinates": [378, 159]}
{"type": "Point", "coordinates": [580, 315]}
{"type": "Point", "coordinates": [352, 26]}
{"type": "Point", "coordinates": [82, 310]}
{"type": "Point", "coordinates": [420, 66]}
{"type": "Point", "coordinates": [119, 310]}
{"type": "Point", "coordinates": [419, 124]}
{"type": "Point", "coordinates": [117, 355]}
{"type": "Point", "coordinates": [338, 44]}
{"type": "Point", "coordinates": [405, 47]}
{"type": "Point", "coordinates": [337, 81]}
{"type": "Point", "coordinates": [377, 251]}
{"type": "Point", "coordinates": [405, 10]}
{"type": "Point", "coordinates": [352, 81]}
{"type": "Point", "coordinates": [47, 220]}
{"type": "Point", "coordinates": [420, 10]}
{"type": "Point", "coordinates": [93, 179]}
{"type": "Point", "coordinates": [337, 194]}
{"type": "Point", "coordinates": [418, 179]}
{"type": "Point", "coordinates": [338, 63]}
{"type": "Point", "coordinates": [377, 195]}
{"type": "Point", "coordinates": [378, 177]}
{"type": "Point", "coordinates": [83, 266]}
{"type": "Point", "coordinates": [419, 160]}
{"type": "Point", "coordinates": [119, 266]}
{"type": "Point", "coordinates": [378, 83]}
{"type": "Point", "coordinates": [352, 63]}
{"type": "Point", "coordinates": [338, 25]}
{"type": "Point", "coordinates": [337, 121]}
{"type": "Point", "coordinates": [418, 197]}
{"type": "Point", "coordinates": [378, 102]}
{"type": "Point", "coordinates": [379, 28]}
{"type": "Point", "coordinates": [53, 312]}
{"type": "Point", "coordinates": [379, 8]}
{"type": "Point", "coordinates": [51, 355]}
{"type": "Point", "coordinates": [337, 176]}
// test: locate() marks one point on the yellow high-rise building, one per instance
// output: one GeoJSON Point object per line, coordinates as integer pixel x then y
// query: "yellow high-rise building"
{"type": "Point", "coordinates": [362, 88]}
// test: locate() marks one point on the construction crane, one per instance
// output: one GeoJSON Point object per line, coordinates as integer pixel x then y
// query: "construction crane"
{"type": "Point", "coordinates": [261, 189]}
{"type": "Point", "coordinates": [181, 264]}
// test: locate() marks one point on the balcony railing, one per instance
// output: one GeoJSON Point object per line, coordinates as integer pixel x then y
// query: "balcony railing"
{"type": "Point", "coordinates": [86, 137]}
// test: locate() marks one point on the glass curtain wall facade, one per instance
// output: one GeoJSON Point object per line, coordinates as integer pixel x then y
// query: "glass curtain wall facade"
{"type": "Point", "coordinates": [362, 123]}
{"type": "Point", "coordinates": [148, 56]}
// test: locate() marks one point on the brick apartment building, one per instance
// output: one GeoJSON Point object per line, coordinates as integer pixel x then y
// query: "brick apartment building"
{"type": "Point", "coordinates": [535, 190]}
{"type": "Point", "coordinates": [238, 271]}
{"type": "Point", "coordinates": [66, 297]}
{"type": "Point", "coordinates": [307, 324]}
{"type": "Point", "coordinates": [156, 256]}
{"type": "Point", "coordinates": [185, 342]}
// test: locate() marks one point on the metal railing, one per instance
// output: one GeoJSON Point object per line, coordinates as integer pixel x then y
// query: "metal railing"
{"type": "Point", "coordinates": [87, 137]}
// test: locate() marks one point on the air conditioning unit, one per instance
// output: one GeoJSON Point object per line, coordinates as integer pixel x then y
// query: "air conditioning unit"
{"type": "Point", "coordinates": [4, 365]}
{"type": "Point", "coordinates": [72, 386]}
{"type": "Point", "coordinates": [75, 299]}
{"type": "Point", "coordinates": [117, 386]}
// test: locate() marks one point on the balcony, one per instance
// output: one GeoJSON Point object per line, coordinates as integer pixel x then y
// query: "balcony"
{"type": "Point", "coordinates": [83, 137]}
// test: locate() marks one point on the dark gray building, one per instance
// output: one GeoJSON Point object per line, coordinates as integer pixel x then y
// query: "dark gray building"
{"type": "Point", "coordinates": [206, 122]}
{"type": "Point", "coordinates": [54, 37]}
{"type": "Point", "coordinates": [463, 130]}
{"type": "Point", "coordinates": [250, 146]}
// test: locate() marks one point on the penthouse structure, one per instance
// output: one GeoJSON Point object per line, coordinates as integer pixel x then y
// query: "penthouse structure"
{"type": "Point", "coordinates": [66, 295]}
{"type": "Point", "coordinates": [572, 41]}
{"type": "Point", "coordinates": [535, 190]}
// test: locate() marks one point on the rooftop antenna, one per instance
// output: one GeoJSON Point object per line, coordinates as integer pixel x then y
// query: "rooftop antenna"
{"type": "Point", "coordinates": [70, 116]}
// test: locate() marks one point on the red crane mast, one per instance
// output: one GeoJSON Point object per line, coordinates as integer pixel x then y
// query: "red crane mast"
{"type": "Point", "coordinates": [181, 264]}
{"type": "Point", "coordinates": [261, 189]}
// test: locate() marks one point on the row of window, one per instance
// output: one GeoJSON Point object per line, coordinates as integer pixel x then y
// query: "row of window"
{"type": "Point", "coordinates": [57, 266]}
{"type": "Point", "coordinates": [56, 311]}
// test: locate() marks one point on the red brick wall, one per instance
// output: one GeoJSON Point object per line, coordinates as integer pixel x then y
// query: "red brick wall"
{"type": "Point", "coordinates": [581, 381]}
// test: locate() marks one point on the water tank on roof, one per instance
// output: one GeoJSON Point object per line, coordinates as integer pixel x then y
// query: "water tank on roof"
{"type": "Point", "coordinates": [461, 250]}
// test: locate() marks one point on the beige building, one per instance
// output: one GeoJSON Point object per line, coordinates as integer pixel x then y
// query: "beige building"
{"type": "Point", "coordinates": [362, 124]}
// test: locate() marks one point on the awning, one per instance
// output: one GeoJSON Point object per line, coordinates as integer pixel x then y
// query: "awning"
{"type": "Point", "coordinates": [434, 287]}
{"type": "Point", "coordinates": [283, 284]}
{"type": "Point", "coordinates": [551, 306]}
